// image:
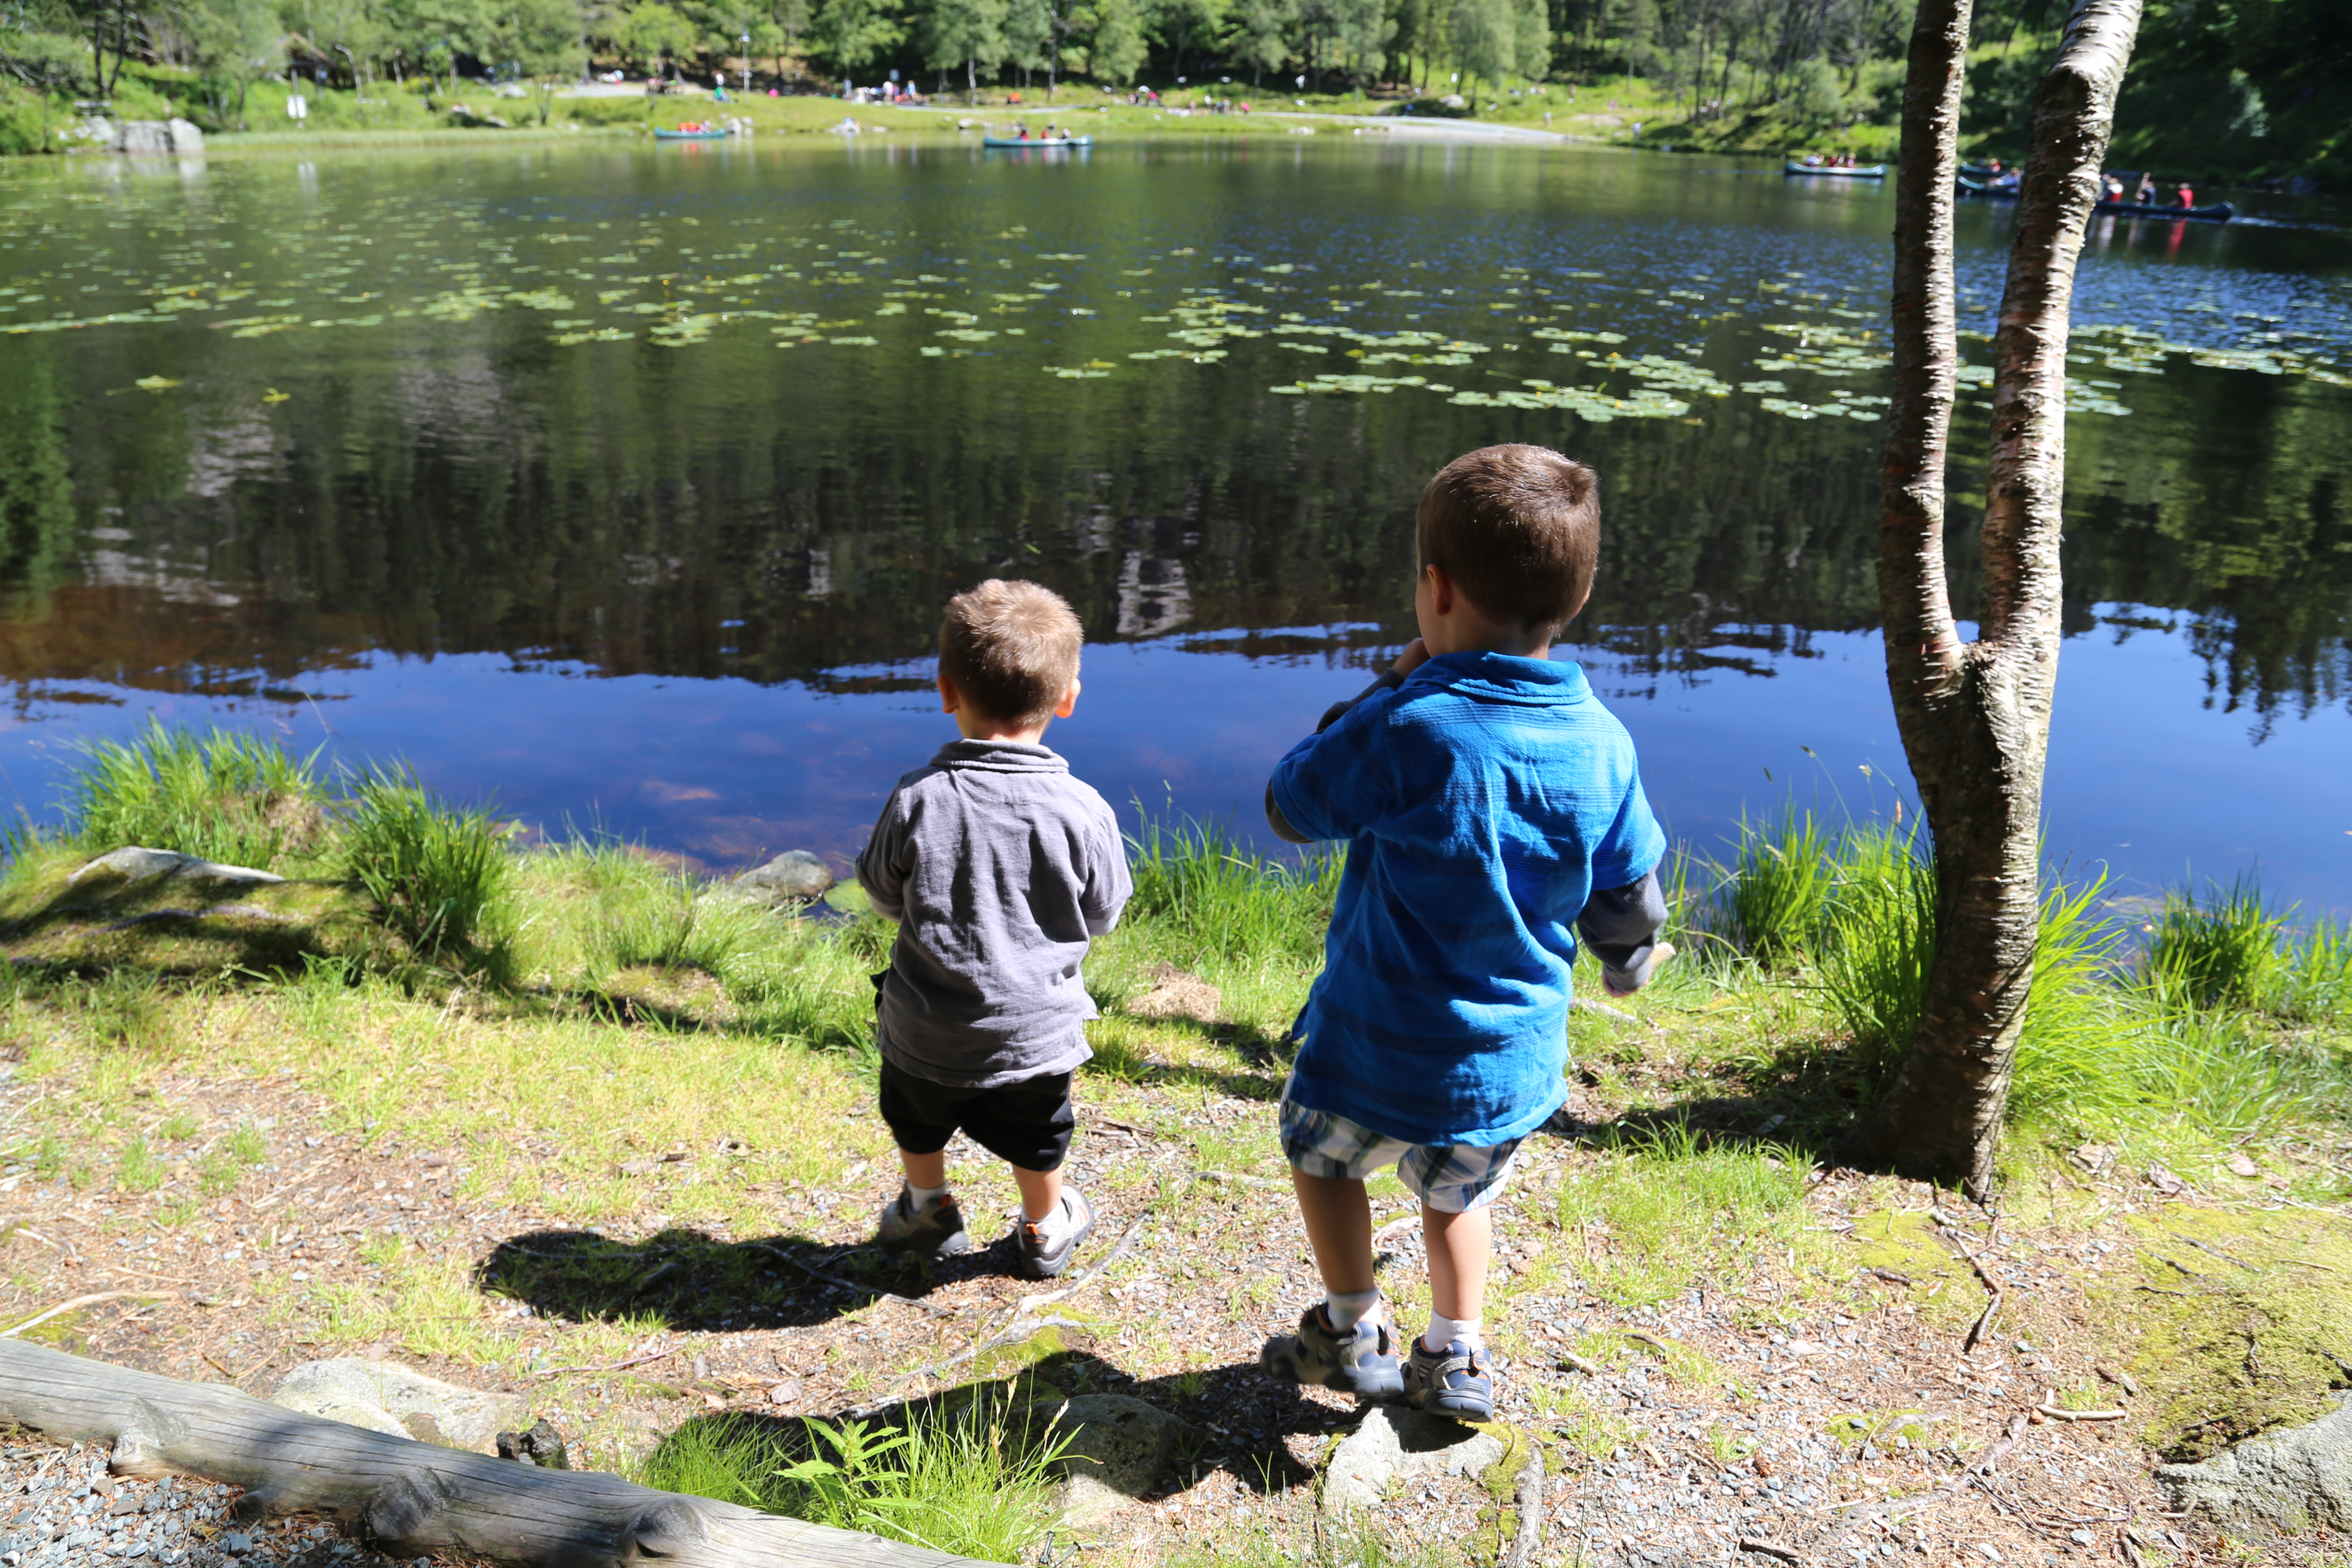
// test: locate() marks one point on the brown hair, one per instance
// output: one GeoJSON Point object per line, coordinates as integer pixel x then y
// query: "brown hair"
{"type": "Point", "coordinates": [1518, 529]}
{"type": "Point", "coordinates": [1011, 648]}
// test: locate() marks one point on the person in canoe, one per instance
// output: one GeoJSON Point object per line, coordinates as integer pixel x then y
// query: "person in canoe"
{"type": "Point", "coordinates": [2187, 198]}
{"type": "Point", "coordinates": [2146, 194]}
{"type": "Point", "coordinates": [2113, 191]}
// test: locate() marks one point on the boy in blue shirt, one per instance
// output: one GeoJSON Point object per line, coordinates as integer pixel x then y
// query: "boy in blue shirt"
{"type": "Point", "coordinates": [1492, 809]}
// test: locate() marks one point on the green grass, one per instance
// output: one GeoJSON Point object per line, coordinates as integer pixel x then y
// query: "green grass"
{"type": "Point", "coordinates": [1773, 899]}
{"type": "Point", "coordinates": [1197, 885]}
{"type": "Point", "coordinates": [1880, 928]}
{"type": "Point", "coordinates": [1676, 1207]}
{"type": "Point", "coordinates": [220, 796]}
{"type": "Point", "coordinates": [975, 1482]}
{"type": "Point", "coordinates": [2218, 951]}
{"type": "Point", "coordinates": [441, 877]}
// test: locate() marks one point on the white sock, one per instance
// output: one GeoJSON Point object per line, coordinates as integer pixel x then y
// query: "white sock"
{"type": "Point", "coordinates": [1444, 1331]}
{"type": "Point", "coordinates": [1056, 1225]}
{"type": "Point", "coordinates": [924, 1197]}
{"type": "Point", "coordinates": [1346, 1309]}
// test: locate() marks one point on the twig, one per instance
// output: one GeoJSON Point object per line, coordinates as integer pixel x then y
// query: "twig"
{"type": "Point", "coordinates": [2046, 1408]}
{"type": "Point", "coordinates": [1031, 1303]}
{"type": "Point", "coordinates": [1527, 1540]}
{"type": "Point", "coordinates": [81, 1301]}
{"type": "Point", "coordinates": [622, 1365]}
{"type": "Point", "coordinates": [1769, 1549]}
{"type": "Point", "coordinates": [1013, 1329]}
{"type": "Point", "coordinates": [1983, 1325]}
{"type": "Point", "coordinates": [1589, 1368]}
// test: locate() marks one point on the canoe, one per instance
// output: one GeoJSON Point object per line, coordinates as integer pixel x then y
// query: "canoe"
{"type": "Point", "coordinates": [661, 135]}
{"type": "Point", "coordinates": [1036, 142]}
{"type": "Point", "coordinates": [1969, 188]}
{"type": "Point", "coordinates": [2220, 212]}
{"type": "Point", "coordinates": [1867, 172]}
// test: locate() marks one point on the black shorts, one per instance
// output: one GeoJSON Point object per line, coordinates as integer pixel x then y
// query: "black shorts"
{"type": "Point", "coordinates": [1027, 1123]}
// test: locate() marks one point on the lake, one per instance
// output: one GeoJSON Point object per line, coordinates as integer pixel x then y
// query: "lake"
{"type": "Point", "coordinates": [623, 485]}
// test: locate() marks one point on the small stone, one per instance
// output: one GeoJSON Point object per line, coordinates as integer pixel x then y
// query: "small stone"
{"type": "Point", "coordinates": [2079, 1537]}
{"type": "Point", "coordinates": [793, 877]}
{"type": "Point", "coordinates": [2161, 1178]}
{"type": "Point", "coordinates": [785, 1393]}
{"type": "Point", "coordinates": [2239, 1166]}
{"type": "Point", "coordinates": [236, 1543]}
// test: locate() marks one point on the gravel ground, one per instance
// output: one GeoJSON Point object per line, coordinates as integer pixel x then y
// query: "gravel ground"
{"type": "Point", "coordinates": [59, 1506]}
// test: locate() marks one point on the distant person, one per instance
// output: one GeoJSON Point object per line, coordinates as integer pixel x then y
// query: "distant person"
{"type": "Point", "coordinates": [1492, 810]}
{"type": "Point", "coordinates": [2188, 197]}
{"type": "Point", "coordinates": [2146, 194]}
{"type": "Point", "coordinates": [999, 869]}
{"type": "Point", "coordinates": [2114, 189]}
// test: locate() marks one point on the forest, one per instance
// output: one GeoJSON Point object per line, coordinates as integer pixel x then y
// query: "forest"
{"type": "Point", "coordinates": [2256, 89]}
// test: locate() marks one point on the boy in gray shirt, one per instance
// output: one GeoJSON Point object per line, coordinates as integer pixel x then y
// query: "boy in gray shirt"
{"type": "Point", "coordinates": [999, 867]}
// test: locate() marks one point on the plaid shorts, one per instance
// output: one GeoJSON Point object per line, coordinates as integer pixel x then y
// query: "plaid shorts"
{"type": "Point", "coordinates": [1452, 1178]}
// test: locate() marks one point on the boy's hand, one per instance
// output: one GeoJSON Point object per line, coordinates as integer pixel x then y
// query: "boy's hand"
{"type": "Point", "coordinates": [1658, 956]}
{"type": "Point", "coordinates": [1415, 655]}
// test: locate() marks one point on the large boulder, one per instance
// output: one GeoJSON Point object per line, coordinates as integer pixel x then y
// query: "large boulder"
{"type": "Point", "coordinates": [384, 1396]}
{"type": "Point", "coordinates": [1119, 1449]}
{"type": "Point", "coordinates": [1394, 1445]}
{"type": "Point", "coordinates": [794, 877]}
{"type": "Point", "coordinates": [2295, 1478]}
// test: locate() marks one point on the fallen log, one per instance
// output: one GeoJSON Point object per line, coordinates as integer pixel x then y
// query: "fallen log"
{"type": "Point", "coordinates": [409, 1497]}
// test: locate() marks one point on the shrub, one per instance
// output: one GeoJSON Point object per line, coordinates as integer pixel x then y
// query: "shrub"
{"type": "Point", "coordinates": [440, 874]}
{"type": "Point", "coordinates": [221, 796]}
{"type": "Point", "coordinates": [2315, 979]}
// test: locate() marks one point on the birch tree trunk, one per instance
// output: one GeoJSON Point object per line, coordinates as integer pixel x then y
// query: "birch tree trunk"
{"type": "Point", "coordinates": [1975, 717]}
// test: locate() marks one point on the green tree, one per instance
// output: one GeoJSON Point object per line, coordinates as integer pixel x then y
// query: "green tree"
{"type": "Point", "coordinates": [540, 39]}
{"type": "Point", "coordinates": [964, 33]}
{"type": "Point", "coordinates": [37, 511]}
{"type": "Point", "coordinates": [1187, 24]}
{"type": "Point", "coordinates": [240, 39]}
{"type": "Point", "coordinates": [1482, 37]}
{"type": "Point", "coordinates": [1262, 33]}
{"type": "Point", "coordinates": [653, 32]}
{"type": "Point", "coordinates": [847, 34]}
{"type": "Point", "coordinates": [1115, 44]}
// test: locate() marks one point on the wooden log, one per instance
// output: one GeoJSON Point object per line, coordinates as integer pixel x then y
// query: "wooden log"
{"type": "Point", "coordinates": [409, 1497]}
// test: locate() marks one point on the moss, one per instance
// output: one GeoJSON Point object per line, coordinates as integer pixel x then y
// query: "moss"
{"type": "Point", "coordinates": [2241, 1321]}
{"type": "Point", "coordinates": [1906, 1244]}
{"type": "Point", "coordinates": [1501, 1479]}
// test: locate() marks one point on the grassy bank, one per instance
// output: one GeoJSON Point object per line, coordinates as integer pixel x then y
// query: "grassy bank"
{"type": "Point", "coordinates": [554, 1117]}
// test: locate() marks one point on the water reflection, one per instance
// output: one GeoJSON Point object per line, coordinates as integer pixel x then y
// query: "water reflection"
{"type": "Point", "coordinates": [603, 575]}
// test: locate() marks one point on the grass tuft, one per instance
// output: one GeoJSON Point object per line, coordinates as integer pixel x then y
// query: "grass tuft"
{"type": "Point", "coordinates": [1773, 900]}
{"type": "Point", "coordinates": [969, 1483]}
{"type": "Point", "coordinates": [2218, 950]}
{"type": "Point", "coordinates": [1881, 930]}
{"type": "Point", "coordinates": [221, 796]}
{"type": "Point", "coordinates": [1223, 901]}
{"type": "Point", "coordinates": [441, 875]}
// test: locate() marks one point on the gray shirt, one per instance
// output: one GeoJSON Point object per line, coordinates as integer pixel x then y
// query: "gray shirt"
{"type": "Point", "coordinates": [999, 867]}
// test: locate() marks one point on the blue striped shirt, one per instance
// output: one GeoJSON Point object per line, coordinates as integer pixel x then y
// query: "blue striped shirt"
{"type": "Point", "coordinates": [1483, 801]}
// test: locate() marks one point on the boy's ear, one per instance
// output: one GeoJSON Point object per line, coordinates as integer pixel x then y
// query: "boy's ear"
{"type": "Point", "coordinates": [949, 699]}
{"type": "Point", "coordinates": [1069, 702]}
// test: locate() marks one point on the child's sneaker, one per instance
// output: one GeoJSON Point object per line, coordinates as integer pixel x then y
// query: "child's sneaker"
{"type": "Point", "coordinates": [1453, 1381]}
{"type": "Point", "coordinates": [935, 1230]}
{"type": "Point", "coordinates": [1043, 1258]}
{"type": "Point", "coordinates": [1362, 1361]}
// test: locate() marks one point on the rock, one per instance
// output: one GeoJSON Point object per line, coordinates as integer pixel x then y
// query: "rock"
{"type": "Point", "coordinates": [1394, 1445]}
{"type": "Point", "coordinates": [133, 864]}
{"type": "Point", "coordinates": [1453, 101]}
{"type": "Point", "coordinates": [1177, 994]}
{"type": "Point", "coordinates": [1118, 1450]}
{"type": "Point", "coordinates": [384, 1396]}
{"type": "Point", "coordinates": [236, 1544]}
{"type": "Point", "coordinates": [2295, 1479]}
{"type": "Point", "coordinates": [542, 1445]}
{"type": "Point", "coordinates": [793, 877]}
{"type": "Point", "coordinates": [185, 137]}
